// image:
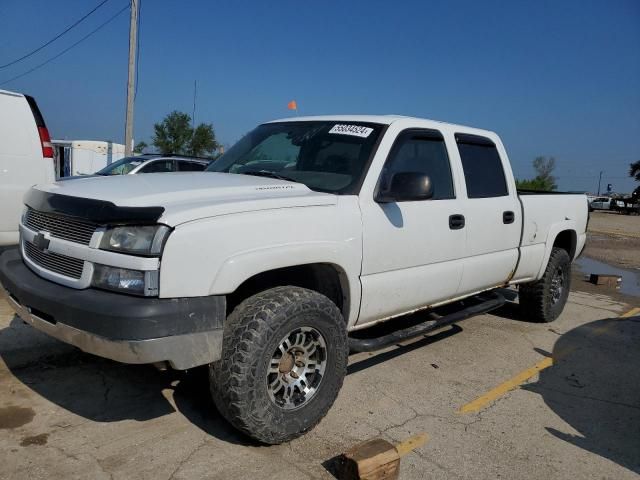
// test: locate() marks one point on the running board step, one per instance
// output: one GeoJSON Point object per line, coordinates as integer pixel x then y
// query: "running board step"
{"type": "Point", "coordinates": [494, 300]}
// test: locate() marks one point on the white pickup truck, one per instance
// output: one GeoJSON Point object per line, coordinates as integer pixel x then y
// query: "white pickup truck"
{"type": "Point", "coordinates": [267, 266]}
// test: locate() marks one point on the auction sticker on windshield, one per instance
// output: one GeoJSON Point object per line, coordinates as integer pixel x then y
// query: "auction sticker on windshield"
{"type": "Point", "coordinates": [355, 130]}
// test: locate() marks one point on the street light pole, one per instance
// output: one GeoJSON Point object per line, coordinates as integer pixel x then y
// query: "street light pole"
{"type": "Point", "coordinates": [133, 34]}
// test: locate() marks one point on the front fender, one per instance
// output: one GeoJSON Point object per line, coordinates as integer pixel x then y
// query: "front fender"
{"type": "Point", "coordinates": [240, 267]}
{"type": "Point", "coordinates": [244, 265]}
{"type": "Point", "coordinates": [214, 256]}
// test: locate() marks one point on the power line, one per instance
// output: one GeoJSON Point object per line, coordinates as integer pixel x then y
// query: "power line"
{"type": "Point", "coordinates": [68, 48]}
{"type": "Point", "coordinates": [54, 38]}
{"type": "Point", "coordinates": [604, 175]}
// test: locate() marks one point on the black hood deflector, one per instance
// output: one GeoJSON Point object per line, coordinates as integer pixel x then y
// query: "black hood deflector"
{"type": "Point", "coordinates": [97, 211]}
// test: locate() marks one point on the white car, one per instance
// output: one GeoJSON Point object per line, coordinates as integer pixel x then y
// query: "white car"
{"type": "Point", "coordinates": [155, 163]}
{"type": "Point", "coordinates": [268, 265]}
{"type": "Point", "coordinates": [600, 203]}
{"type": "Point", "coordinates": [26, 158]}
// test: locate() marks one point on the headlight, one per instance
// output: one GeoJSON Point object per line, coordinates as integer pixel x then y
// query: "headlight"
{"type": "Point", "coordinates": [136, 282]}
{"type": "Point", "coordinates": [146, 240]}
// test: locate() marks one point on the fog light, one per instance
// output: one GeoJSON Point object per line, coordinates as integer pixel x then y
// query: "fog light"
{"type": "Point", "coordinates": [136, 282]}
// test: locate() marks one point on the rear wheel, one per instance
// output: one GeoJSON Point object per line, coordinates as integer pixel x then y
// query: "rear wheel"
{"type": "Point", "coordinates": [283, 362]}
{"type": "Point", "coordinates": [544, 300]}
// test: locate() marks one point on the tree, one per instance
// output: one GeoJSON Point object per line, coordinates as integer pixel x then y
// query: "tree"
{"type": "Point", "coordinates": [533, 184]}
{"type": "Point", "coordinates": [634, 171]}
{"type": "Point", "coordinates": [543, 181]}
{"type": "Point", "coordinates": [203, 141]}
{"type": "Point", "coordinates": [544, 166]}
{"type": "Point", "coordinates": [140, 147]}
{"type": "Point", "coordinates": [175, 135]}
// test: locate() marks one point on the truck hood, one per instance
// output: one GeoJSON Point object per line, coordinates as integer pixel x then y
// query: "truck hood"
{"type": "Point", "coordinates": [188, 196]}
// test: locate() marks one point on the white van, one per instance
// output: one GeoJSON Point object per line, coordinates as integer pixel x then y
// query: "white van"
{"type": "Point", "coordinates": [26, 158]}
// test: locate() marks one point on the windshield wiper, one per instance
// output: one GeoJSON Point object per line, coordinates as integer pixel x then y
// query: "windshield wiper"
{"type": "Point", "coordinates": [269, 174]}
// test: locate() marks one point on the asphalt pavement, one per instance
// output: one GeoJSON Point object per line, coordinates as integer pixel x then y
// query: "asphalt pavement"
{"type": "Point", "coordinates": [497, 396]}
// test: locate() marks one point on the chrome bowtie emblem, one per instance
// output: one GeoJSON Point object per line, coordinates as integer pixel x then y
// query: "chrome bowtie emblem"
{"type": "Point", "coordinates": [41, 242]}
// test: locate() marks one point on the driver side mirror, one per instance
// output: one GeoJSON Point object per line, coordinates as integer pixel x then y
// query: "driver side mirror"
{"type": "Point", "coordinates": [406, 187]}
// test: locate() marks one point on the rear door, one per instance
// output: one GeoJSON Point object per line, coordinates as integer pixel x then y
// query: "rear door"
{"type": "Point", "coordinates": [493, 217]}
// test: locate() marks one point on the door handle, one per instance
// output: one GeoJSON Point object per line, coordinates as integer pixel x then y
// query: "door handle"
{"type": "Point", "coordinates": [508, 217]}
{"type": "Point", "coordinates": [456, 222]}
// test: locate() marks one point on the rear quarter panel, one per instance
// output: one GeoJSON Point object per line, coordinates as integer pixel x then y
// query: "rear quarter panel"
{"type": "Point", "coordinates": [545, 216]}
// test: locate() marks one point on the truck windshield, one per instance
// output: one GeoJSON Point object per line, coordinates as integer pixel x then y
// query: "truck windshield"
{"type": "Point", "coordinates": [122, 166]}
{"type": "Point", "coordinates": [325, 156]}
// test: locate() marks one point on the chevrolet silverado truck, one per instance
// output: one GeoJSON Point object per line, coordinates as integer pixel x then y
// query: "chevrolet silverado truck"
{"type": "Point", "coordinates": [268, 266]}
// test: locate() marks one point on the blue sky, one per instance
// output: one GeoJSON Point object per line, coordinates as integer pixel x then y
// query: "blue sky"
{"type": "Point", "coordinates": [557, 78]}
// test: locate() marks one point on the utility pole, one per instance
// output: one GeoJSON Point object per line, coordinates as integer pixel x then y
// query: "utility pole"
{"type": "Point", "coordinates": [133, 34]}
{"type": "Point", "coordinates": [599, 180]}
{"type": "Point", "coordinates": [193, 117]}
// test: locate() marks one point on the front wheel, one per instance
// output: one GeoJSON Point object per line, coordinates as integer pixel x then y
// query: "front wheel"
{"type": "Point", "coordinates": [284, 358]}
{"type": "Point", "coordinates": [544, 300]}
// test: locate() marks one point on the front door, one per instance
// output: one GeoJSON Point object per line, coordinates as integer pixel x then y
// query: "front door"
{"type": "Point", "coordinates": [411, 249]}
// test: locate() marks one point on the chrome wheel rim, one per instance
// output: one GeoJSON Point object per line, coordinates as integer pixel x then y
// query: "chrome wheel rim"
{"type": "Point", "coordinates": [296, 368]}
{"type": "Point", "coordinates": [557, 285]}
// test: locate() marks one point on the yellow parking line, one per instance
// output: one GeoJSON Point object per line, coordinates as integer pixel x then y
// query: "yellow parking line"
{"type": "Point", "coordinates": [513, 383]}
{"type": "Point", "coordinates": [631, 313]}
{"type": "Point", "coordinates": [608, 326]}
{"type": "Point", "coordinates": [500, 390]}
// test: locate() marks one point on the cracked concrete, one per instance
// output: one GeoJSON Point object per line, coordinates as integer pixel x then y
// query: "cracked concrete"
{"type": "Point", "coordinates": [578, 419]}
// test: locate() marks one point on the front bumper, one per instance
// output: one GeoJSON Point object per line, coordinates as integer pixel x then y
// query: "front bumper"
{"type": "Point", "coordinates": [186, 332]}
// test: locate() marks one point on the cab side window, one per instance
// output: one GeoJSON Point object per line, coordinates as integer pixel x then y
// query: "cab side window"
{"type": "Point", "coordinates": [422, 151]}
{"type": "Point", "coordinates": [483, 171]}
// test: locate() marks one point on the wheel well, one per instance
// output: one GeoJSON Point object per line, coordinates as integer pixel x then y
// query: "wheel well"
{"type": "Point", "coordinates": [567, 240]}
{"type": "Point", "coordinates": [323, 278]}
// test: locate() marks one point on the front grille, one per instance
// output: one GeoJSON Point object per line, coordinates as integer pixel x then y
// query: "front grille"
{"type": "Point", "coordinates": [54, 262]}
{"type": "Point", "coordinates": [60, 226]}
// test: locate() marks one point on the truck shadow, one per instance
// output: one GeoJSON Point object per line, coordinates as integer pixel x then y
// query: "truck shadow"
{"type": "Point", "coordinates": [511, 309]}
{"type": "Point", "coordinates": [101, 390]}
{"type": "Point", "coordinates": [594, 386]}
{"type": "Point", "coordinates": [401, 349]}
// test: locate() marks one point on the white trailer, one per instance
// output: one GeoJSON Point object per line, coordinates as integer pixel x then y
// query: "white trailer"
{"type": "Point", "coordinates": [84, 157]}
